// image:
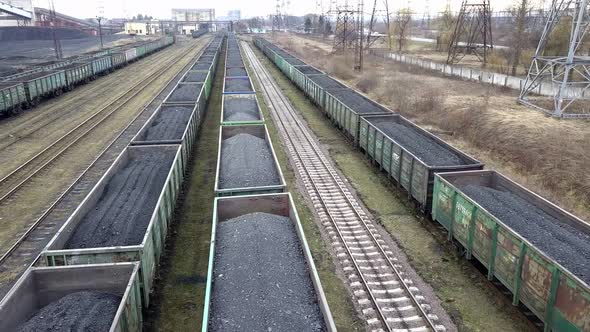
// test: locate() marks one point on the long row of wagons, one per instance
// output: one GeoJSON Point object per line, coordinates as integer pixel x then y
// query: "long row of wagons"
{"type": "Point", "coordinates": [26, 89]}
{"type": "Point", "coordinates": [537, 250]}
{"type": "Point", "coordinates": [107, 252]}
{"type": "Point", "coordinates": [256, 233]}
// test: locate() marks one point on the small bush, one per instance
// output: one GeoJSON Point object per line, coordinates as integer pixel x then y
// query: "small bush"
{"type": "Point", "coordinates": [368, 82]}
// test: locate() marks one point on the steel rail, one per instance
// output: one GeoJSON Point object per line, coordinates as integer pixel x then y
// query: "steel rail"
{"type": "Point", "coordinates": [268, 84]}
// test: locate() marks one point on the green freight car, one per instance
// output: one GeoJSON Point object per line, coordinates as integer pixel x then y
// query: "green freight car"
{"type": "Point", "coordinates": [408, 164]}
{"type": "Point", "coordinates": [156, 216]}
{"type": "Point", "coordinates": [555, 289]}
{"type": "Point", "coordinates": [13, 98]}
{"type": "Point", "coordinates": [43, 84]}
{"type": "Point", "coordinates": [77, 73]}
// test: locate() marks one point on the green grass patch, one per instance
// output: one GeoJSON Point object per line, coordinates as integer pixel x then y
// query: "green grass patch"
{"type": "Point", "coordinates": [180, 293]}
{"type": "Point", "coordinates": [339, 300]}
{"type": "Point", "coordinates": [473, 303]}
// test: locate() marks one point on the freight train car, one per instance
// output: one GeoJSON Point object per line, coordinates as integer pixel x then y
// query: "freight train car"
{"type": "Point", "coordinates": [43, 84]}
{"type": "Point", "coordinates": [537, 250]}
{"type": "Point", "coordinates": [13, 97]}
{"type": "Point", "coordinates": [271, 245]}
{"type": "Point", "coordinates": [89, 297]}
{"type": "Point", "coordinates": [496, 220]}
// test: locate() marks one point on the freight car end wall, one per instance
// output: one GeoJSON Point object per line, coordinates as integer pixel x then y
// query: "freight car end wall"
{"type": "Point", "coordinates": [101, 297]}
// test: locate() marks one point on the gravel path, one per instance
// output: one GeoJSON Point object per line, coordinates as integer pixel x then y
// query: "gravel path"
{"type": "Point", "coordinates": [422, 146]}
{"type": "Point", "coordinates": [261, 281]}
{"type": "Point", "coordinates": [236, 71]}
{"type": "Point", "coordinates": [87, 311]}
{"type": "Point", "coordinates": [567, 245]}
{"type": "Point", "coordinates": [240, 109]}
{"type": "Point", "coordinates": [247, 161]}
{"type": "Point", "coordinates": [169, 124]}
{"type": "Point", "coordinates": [308, 70]}
{"type": "Point", "coordinates": [186, 92]}
{"type": "Point", "coordinates": [356, 102]}
{"type": "Point", "coordinates": [121, 216]}
{"type": "Point", "coordinates": [195, 76]}
{"type": "Point", "coordinates": [327, 82]}
{"type": "Point", "coordinates": [238, 85]}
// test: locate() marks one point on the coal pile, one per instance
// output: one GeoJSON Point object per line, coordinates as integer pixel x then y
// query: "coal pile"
{"type": "Point", "coordinates": [123, 212]}
{"type": "Point", "coordinates": [81, 311]}
{"type": "Point", "coordinates": [247, 161]}
{"type": "Point", "coordinates": [240, 109]}
{"type": "Point", "coordinates": [431, 152]}
{"type": "Point", "coordinates": [261, 281]}
{"type": "Point", "coordinates": [188, 92]}
{"type": "Point", "coordinates": [36, 75]}
{"type": "Point", "coordinates": [201, 66]}
{"type": "Point", "coordinates": [169, 123]}
{"type": "Point", "coordinates": [295, 62]}
{"type": "Point", "coordinates": [327, 82]}
{"type": "Point", "coordinates": [196, 76]}
{"type": "Point", "coordinates": [236, 71]}
{"type": "Point", "coordinates": [563, 243]}
{"type": "Point", "coordinates": [238, 85]}
{"type": "Point", "coordinates": [235, 62]}
{"type": "Point", "coordinates": [357, 103]}
{"type": "Point", "coordinates": [308, 70]}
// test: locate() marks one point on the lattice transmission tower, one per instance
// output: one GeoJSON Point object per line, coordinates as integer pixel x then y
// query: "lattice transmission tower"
{"type": "Point", "coordinates": [277, 18]}
{"type": "Point", "coordinates": [473, 32]}
{"type": "Point", "coordinates": [345, 32]}
{"type": "Point", "coordinates": [567, 75]}
{"type": "Point", "coordinates": [380, 9]}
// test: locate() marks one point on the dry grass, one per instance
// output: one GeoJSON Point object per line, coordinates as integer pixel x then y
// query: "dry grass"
{"type": "Point", "coordinates": [549, 156]}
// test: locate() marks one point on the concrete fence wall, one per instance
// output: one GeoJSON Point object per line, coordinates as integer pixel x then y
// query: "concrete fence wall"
{"type": "Point", "coordinates": [545, 89]}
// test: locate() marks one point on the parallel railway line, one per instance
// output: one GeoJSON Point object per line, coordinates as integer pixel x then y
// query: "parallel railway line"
{"type": "Point", "coordinates": [26, 249]}
{"type": "Point", "coordinates": [17, 129]}
{"type": "Point", "coordinates": [388, 299]}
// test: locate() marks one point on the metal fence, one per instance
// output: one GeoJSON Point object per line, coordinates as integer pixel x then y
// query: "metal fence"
{"type": "Point", "coordinates": [472, 74]}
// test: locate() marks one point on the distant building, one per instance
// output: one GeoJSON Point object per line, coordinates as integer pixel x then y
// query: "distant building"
{"type": "Point", "coordinates": [193, 14]}
{"type": "Point", "coordinates": [14, 13]}
{"type": "Point", "coordinates": [234, 15]}
{"type": "Point", "coordinates": [142, 28]}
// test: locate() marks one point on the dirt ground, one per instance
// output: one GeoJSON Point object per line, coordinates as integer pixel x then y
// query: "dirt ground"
{"type": "Point", "coordinates": [546, 155]}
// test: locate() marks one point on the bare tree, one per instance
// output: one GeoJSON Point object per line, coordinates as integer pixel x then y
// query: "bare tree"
{"type": "Point", "coordinates": [519, 36]}
{"type": "Point", "coordinates": [402, 24]}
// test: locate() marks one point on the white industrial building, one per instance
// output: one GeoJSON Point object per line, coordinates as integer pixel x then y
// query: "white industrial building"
{"type": "Point", "coordinates": [193, 14]}
{"type": "Point", "coordinates": [15, 13]}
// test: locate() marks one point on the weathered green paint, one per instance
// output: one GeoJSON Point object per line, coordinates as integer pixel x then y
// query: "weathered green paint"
{"type": "Point", "coordinates": [12, 96]}
{"type": "Point", "coordinates": [560, 300]}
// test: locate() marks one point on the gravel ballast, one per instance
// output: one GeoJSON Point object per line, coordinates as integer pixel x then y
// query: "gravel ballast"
{"type": "Point", "coordinates": [563, 243]}
{"type": "Point", "coordinates": [423, 147]}
{"type": "Point", "coordinates": [238, 85]}
{"type": "Point", "coordinates": [261, 280]}
{"type": "Point", "coordinates": [327, 82]}
{"type": "Point", "coordinates": [123, 212]}
{"type": "Point", "coordinates": [169, 124]}
{"type": "Point", "coordinates": [186, 92]}
{"type": "Point", "coordinates": [81, 311]}
{"type": "Point", "coordinates": [240, 109]}
{"type": "Point", "coordinates": [357, 103]}
{"type": "Point", "coordinates": [247, 161]}
{"type": "Point", "coordinates": [236, 71]}
{"type": "Point", "coordinates": [196, 76]}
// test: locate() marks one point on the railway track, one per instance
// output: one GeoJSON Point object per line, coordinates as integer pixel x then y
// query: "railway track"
{"type": "Point", "coordinates": [29, 244]}
{"type": "Point", "coordinates": [16, 130]}
{"type": "Point", "coordinates": [388, 300]}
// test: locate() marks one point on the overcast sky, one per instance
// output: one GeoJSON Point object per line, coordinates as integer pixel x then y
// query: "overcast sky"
{"type": "Point", "coordinates": [161, 8]}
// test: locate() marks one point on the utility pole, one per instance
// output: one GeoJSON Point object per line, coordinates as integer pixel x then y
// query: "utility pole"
{"type": "Point", "coordinates": [53, 22]}
{"type": "Point", "coordinates": [100, 31]}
